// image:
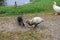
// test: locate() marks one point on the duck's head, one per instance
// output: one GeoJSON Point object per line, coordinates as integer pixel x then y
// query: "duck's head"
{"type": "Point", "coordinates": [28, 22]}
{"type": "Point", "coordinates": [53, 3]}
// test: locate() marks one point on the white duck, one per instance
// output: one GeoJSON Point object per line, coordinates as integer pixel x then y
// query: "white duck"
{"type": "Point", "coordinates": [56, 8]}
{"type": "Point", "coordinates": [35, 21]}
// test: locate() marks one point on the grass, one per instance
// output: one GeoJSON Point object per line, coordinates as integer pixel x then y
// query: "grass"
{"type": "Point", "coordinates": [35, 7]}
{"type": "Point", "coordinates": [29, 35]}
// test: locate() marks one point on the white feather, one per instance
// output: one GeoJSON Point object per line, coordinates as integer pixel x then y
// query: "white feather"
{"type": "Point", "coordinates": [36, 20]}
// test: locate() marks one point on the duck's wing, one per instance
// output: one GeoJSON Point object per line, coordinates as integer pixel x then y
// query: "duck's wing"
{"type": "Point", "coordinates": [57, 8]}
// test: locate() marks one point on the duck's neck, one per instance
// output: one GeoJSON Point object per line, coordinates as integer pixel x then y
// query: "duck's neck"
{"type": "Point", "coordinates": [54, 5]}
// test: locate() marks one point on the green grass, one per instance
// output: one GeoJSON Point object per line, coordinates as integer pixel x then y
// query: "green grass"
{"type": "Point", "coordinates": [29, 35]}
{"type": "Point", "coordinates": [34, 7]}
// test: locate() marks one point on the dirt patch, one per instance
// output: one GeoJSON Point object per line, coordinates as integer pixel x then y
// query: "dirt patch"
{"type": "Point", "coordinates": [51, 25]}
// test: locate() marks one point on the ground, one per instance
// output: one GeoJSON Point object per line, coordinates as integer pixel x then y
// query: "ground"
{"type": "Point", "coordinates": [47, 30]}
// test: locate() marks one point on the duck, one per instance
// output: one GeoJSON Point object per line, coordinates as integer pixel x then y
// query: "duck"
{"type": "Point", "coordinates": [56, 8]}
{"type": "Point", "coordinates": [20, 20]}
{"type": "Point", "coordinates": [35, 21]}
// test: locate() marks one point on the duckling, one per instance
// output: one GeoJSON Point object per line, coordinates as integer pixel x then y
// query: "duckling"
{"type": "Point", "coordinates": [20, 20]}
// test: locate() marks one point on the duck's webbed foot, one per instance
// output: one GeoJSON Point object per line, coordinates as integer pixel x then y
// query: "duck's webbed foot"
{"type": "Point", "coordinates": [23, 24]}
{"type": "Point", "coordinates": [57, 13]}
{"type": "Point", "coordinates": [35, 25]}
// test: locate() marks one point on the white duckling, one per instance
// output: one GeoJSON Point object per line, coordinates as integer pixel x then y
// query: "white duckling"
{"type": "Point", "coordinates": [56, 8]}
{"type": "Point", "coordinates": [35, 21]}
